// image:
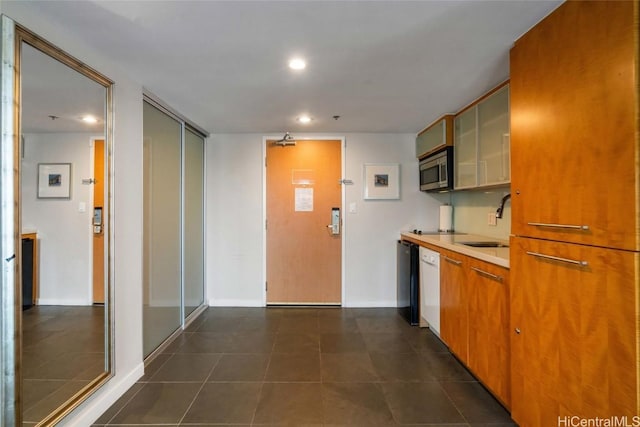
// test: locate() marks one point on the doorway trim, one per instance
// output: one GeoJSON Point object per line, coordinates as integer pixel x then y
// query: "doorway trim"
{"type": "Point", "coordinates": [304, 137]}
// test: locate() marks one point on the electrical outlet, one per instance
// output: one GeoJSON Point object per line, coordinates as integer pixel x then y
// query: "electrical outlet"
{"type": "Point", "coordinates": [491, 219]}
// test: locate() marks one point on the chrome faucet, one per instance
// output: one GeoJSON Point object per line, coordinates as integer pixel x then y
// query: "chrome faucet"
{"type": "Point", "coordinates": [501, 207]}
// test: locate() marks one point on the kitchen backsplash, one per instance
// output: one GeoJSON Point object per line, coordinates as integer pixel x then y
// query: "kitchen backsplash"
{"type": "Point", "coordinates": [471, 210]}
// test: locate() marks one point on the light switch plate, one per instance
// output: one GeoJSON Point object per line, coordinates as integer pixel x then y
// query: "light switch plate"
{"type": "Point", "coordinates": [82, 207]}
{"type": "Point", "coordinates": [353, 207]}
{"type": "Point", "coordinates": [491, 219]}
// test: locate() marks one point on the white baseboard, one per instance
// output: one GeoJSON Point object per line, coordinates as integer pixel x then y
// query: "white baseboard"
{"type": "Point", "coordinates": [62, 301]}
{"type": "Point", "coordinates": [259, 303]}
{"type": "Point", "coordinates": [89, 411]}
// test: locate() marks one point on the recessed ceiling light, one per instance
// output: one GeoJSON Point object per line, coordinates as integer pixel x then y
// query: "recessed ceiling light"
{"type": "Point", "coordinates": [304, 119]}
{"type": "Point", "coordinates": [89, 119]}
{"type": "Point", "coordinates": [297, 64]}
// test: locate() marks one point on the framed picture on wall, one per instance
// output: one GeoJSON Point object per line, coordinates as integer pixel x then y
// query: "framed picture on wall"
{"type": "Point", "coordinates": [381, 181]}
{"type": "Point", "coordinates": [54, 180]}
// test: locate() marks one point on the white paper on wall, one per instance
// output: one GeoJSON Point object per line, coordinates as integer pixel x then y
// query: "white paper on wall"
{"type": "Point", "coordinates": [304, 199]}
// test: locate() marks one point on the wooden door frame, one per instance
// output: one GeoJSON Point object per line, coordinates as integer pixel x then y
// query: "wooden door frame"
{"type": "Point", "coordinates": [304, 137]}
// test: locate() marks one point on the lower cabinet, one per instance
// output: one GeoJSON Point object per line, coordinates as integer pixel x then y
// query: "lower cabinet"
{"type": "Point", "coordinates": [489, 347]}
{"type": "Point", "coordinates": [574, 332]}
{"type": "Point", "coordinates": [454, 300]}
{"type": "Point", "coordinates": [474, 318]}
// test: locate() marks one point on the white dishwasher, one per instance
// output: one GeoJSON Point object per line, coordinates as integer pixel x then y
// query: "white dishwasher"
{"type": "Point", "coordinates": [430, 288]}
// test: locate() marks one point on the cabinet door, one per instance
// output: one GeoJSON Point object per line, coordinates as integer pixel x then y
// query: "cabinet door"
{"type": "Point", "coordinates": [493, 138]}
{"type": "Point", "coordinates": [464, 148]}
{"type": "Point", "coordinates": [574, 338]}
{"type": "Point", "coordinates": [573, 126]}
{"type": "Point", "coordinates": [454, 316]}
{"type": "Point", "coordinates": [489, 347]}
{"type": "Point", "coordinates": [435, 137]}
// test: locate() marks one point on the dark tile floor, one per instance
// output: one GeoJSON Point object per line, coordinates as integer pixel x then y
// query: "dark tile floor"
{"type": "Point", "coordinates": [305, 366]}
{"type": "Point", "coordinates": [62, 351]}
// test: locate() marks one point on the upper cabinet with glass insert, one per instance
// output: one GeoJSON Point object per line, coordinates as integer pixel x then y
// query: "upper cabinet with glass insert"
{"type": "Point", "coordinates": [435, 137]}
{"type": "Point", "coordinates": [481, 142]}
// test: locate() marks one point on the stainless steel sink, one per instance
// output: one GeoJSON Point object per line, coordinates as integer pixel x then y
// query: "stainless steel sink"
{"type": "Point", "coordinates": [485, 244]}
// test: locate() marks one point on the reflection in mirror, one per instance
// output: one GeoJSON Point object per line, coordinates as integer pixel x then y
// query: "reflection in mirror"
{"type": "Point", "coordinates": [64, 177]}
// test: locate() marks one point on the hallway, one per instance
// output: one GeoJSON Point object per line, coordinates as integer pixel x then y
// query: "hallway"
{"type": "Point", "coordinates": [305, 366]}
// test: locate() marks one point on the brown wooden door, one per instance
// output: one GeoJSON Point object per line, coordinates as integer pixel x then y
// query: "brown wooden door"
{"type": "Point", "coordinates": [574, 89]}
{"type": "Point", "coordinates": [98, 238]}
{"type": "Point", "coordinates": [574, 339]}
{"type": "Point", "coordinates": [303, 257]}
{"type": "Point", "coordinates": [454, 314]}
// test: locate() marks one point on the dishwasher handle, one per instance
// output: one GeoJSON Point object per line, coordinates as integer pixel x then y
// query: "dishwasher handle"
{"type": "Point", "coordinates": [431, 258]}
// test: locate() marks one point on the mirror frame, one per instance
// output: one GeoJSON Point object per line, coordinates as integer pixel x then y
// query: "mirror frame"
{"type": "Point", "coordinates": [9, 316]}
{"type": "Point", "coordinates": [23, 35]}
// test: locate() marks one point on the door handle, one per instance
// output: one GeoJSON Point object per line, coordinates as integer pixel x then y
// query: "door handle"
{"type": "Point", "coordinates": [486, 273]}
{"type": "Point", "coordinates": [452, 261]}
{"type": "Point", "coordinates": [567, 226]}
{"type": "Point", "coordinates": [334, 227]}
{"type": "Point", "coordinates": [559, 259]}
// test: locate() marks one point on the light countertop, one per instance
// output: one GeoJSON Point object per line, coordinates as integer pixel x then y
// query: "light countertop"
{"type": "Point", "coordinates": [454, 242]}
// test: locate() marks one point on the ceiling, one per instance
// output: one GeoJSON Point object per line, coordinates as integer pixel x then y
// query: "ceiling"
{"type": "Point", "coordinates": [57, 103]}
{"type": "Point", "coordinates": [382, 66]}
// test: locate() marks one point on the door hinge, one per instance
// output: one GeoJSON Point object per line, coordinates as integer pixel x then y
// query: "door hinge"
{"type": "Point", "coordinates": [266, 286]}
{"type": "Point", "coordinates": [266, 222]}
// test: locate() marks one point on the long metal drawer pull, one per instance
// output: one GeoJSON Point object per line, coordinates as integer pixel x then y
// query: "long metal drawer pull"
{"type": "Point", "coordinates": [486, 273]}
{"type": "Point", "coordinates": [573, 227]}
{"type": "Point", "coordinates": [452, 261]}
{"type": "Point", "coordinates": [555, 258]}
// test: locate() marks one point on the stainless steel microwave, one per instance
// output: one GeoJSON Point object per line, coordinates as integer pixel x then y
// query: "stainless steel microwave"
{"type": "Point", "coordinates": [436, 171]}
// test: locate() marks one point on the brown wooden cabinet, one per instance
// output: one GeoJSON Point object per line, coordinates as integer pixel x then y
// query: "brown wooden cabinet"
{"type": "Point", "coordinates": [574, 265]}
{"type": "Point", "coordinates": [574, 343]}
{"type": "Point", "coordinates": [489, 338]}
{"type": "Point", "coordinates": [454, 303]}
{"type": "Point", "coordinates": [574, 89]}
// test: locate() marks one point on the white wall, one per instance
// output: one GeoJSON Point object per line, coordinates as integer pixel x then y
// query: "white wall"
{"type": "Point", "coordinates": [234, 242]}
{"type": "Point", "coordinates": [235, 232]}
{"type": "Point", "coordinates": [126, 274]}
{"type": "Point", "coordinates": [372, 232]}
{"type": "Point", "coordinates": [65, 276]}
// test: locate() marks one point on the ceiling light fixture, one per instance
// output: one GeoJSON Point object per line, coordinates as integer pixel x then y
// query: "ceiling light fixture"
{"type": "Point", "coordinates": [304, 119]}
{"type": "Point", "coordinates": [297, 64]}
{"type": "Point", "coordinates": [89, 119]}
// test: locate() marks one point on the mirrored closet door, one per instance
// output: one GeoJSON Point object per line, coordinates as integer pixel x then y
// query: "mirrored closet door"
{"type": "Point", "coordinates": [173, 230]}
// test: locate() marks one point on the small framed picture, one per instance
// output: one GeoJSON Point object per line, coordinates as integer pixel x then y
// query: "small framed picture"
{"type": "Point", "coordinates": [54, 180]}
{"type": "Point", "coordinates": [381, 181]}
